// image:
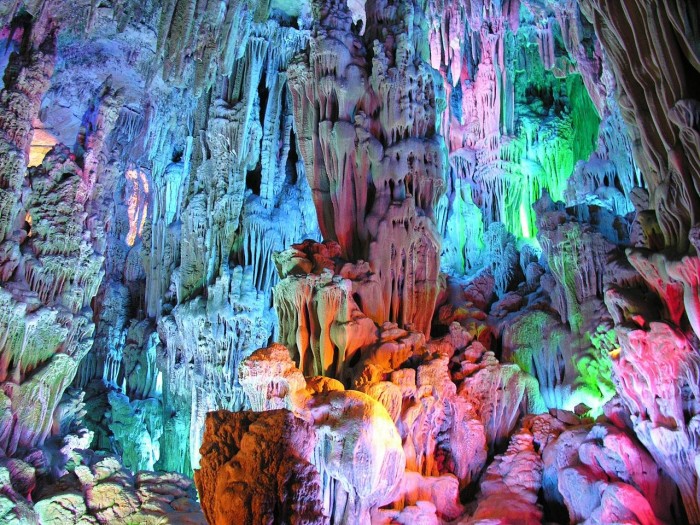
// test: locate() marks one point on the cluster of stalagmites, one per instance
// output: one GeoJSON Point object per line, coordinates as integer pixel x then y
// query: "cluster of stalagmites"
{"type": "Point", "coordinates": [409, 444]}
{"type": "Point", "coordinates": [151, 264]}
{"type": "Point", "coordinates": [575, 326]}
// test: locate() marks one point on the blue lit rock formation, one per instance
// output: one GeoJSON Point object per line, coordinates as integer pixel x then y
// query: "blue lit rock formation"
{"type": "Point", "coordinates": [349, 261]}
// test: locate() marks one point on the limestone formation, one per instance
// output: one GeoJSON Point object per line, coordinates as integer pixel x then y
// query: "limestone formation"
{"type": "Point", "coordinates": [349, 261]}
{"type": "Point", "coordinates": [256, 469]}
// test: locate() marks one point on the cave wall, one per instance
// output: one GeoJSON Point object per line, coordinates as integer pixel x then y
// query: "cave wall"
{"type": "Point", "coordinates": [469, 228]}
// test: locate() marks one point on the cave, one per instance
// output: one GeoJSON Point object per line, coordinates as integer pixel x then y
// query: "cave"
{"type": "Point", "coordinates": [363, 262]}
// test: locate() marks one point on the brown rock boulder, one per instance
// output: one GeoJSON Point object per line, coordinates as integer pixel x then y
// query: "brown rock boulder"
{"type": "Point", "coordinates": [255, 469]}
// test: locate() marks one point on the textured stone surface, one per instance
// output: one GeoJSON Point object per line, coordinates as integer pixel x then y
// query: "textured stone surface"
{"type": "Point", "coordinates": [598, 471]}
{"type": "Point", "coordinates": [509, 487]}
{"type": "Point", "coordinates": [445, 250]}
{"type": "Point", "coordinates": [255, 467]}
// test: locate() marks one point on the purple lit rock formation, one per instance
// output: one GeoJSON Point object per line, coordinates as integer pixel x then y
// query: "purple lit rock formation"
{"type": "Point", "coordinates": [349, 261]}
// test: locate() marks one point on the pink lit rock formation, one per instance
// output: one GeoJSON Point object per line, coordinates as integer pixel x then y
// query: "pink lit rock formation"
{"type": "Point", "coordinates": [508, 490]}
{"type": "Point", "coordinates": [655, 388]}
{"type": "Point", "coordinates": [602, 474]}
